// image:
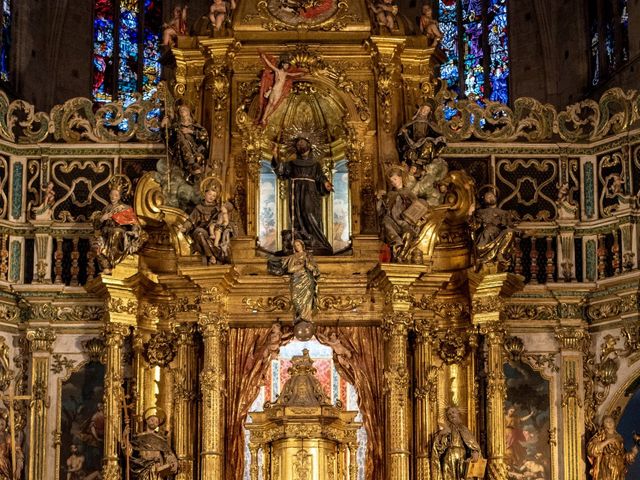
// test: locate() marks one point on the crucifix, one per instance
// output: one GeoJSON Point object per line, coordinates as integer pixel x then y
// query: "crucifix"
{"type": "Point", "coordinates": [9, 399]}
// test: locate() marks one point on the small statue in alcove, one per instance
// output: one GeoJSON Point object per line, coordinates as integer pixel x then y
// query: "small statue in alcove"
{"type": "Point", "coordinates": [188, 142]}
{"type": "Point", "coordinates": [200, 224]}
{"type": "Point", "coordinates": [606, 453]}
{"type": "Point", "coordinates": [454, 447]}
{"type": "Point", "coordinates": [429, 26]}
{"type": "Point", "coordinates": [304, 275]}
{"type": "Point", "coordinates": [117, 230]}
{"type": "Point", "coordinates": [493, 233]}
{"type": "Point", "coordinates": [149, 452]}
{"type": "Point", "coordinates": [44, 211]}
{"type": "Point", "coordinates": [414, 142]}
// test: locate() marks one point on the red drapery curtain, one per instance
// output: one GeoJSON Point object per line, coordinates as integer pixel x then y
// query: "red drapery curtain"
{"type": "Point", "coordinates": [365, 371]}
{"type": "Point", "coordinates": [248, 356]}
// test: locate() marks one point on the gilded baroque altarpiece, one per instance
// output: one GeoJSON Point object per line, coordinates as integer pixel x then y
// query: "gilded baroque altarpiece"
{"type": "Point", "coordinates": [523, 358]}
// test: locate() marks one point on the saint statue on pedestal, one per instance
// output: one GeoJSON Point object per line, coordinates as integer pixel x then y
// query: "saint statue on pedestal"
{"type": "Point", "coordinates": [308, 184]}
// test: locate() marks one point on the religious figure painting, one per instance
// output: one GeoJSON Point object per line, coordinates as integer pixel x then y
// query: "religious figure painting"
{"type": "Point", "coordinates": [82, 423]}
{"type": "Point", "coordinates": [300, 12]}
{"type": "Point", "coordinates": [527, 423]}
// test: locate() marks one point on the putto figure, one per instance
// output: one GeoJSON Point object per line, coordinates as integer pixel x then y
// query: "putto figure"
{"type": "Point", "coordinates": [308, 185]}
{"type": "Point", "coordinates": [609, 460]}
{"type": "Point", "coordinates": [117, 230]}
{"type": "Point", "coordinates": [220, 12]}
{"type": "Point", "coordinates": [305, 274]}
{"type": "Point", "coordinates": [429, 26]}
{"type": "Point", "coordinates": [385, 12]}
{"type": "Point", "coordinates": [151, 456]}
{"type": "Point", "coordinates": [453, 447]}
{"type": "Point", "coordinates": [275, 85]}
{"type": "Point", "coordinates": [175, 27]}
{"type": "Point", "coordinates": [493, 233]}
{"type": "Point", "coordinates": [188, 143]}
{"type": "Point", "coordinates": [200, 225]}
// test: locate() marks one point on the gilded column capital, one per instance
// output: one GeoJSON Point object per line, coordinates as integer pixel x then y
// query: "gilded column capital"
{"type": "Point", "coordinates": [115, 333]}
{"type": "Point", "coordinates": [213, 325]}
{"type": "Point", "coordinates": [184, 333]}
{"type": "Point", "coordinates": [494, 333]}
{"type": "Point", "coordinates": [424, 329]}
{"type": "Point", "coordinates": [572, 338]}
{"type": "Point", "coordinates": [396, 323]}
{"type": "Point", "coordinates": [41, 339]}
{"type": "Point", "coordinates": [489, 293]}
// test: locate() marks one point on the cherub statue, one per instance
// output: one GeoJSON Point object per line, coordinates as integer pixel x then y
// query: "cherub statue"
{"type": "Point", "coordinates": [117, 230]}
{"type": "Point", "coordinates": [175, 27]}
{"type": "Point", "coordinates": [385, 12]}
{"type": "Point", "coordinates": [200, 225]}
{"type": "Point", "coordinates": [44, 210]}
{"type": "Point", "coordinates": [492, 230]}
{"type": "Point", "coordinates": [276, 338]}
{"type": "Point", "coordinates": [304, 275]}
{"type": "Point", "coordinates": [391, 208]}
{"type": "Point", "coordinates": [429, 26]}
{"type": "Point", "coordinates": [188, 143]}
{"type": "Point", "coordinates": [567, 208]}
{"type": "Point", "coordinates": [151, 456]}
{"type": "Point", "coordinates": [607, 456]}
{"type": "Point", "coordinates": [220, 12]}
{"type": "Point", "coordinates": [275, 84]}
{"type": "Point", "coordinates": [453, 447]}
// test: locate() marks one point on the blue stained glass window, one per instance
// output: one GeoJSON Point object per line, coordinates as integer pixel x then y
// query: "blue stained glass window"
{"type": "Point", "coordinates": [449, 26]}
{"type": "Point", "coordinates": [126, 49]}
{"type": "Point", "coordinates": [5, 40]}
{"type": "Point", "coordinates": [128, 40]}
{"type": "Point", "coordinates": [151, 39]}
{"type": "Point", "coordinates": [609, 36]}
{"type": "Point", "coordinates": [475, 41]}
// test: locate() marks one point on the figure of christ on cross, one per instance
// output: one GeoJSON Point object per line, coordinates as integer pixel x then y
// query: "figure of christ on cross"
{"type": "Point", "coordinates": [275, 85]}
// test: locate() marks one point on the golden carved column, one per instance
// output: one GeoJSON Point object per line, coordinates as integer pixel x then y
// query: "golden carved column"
{"type": "Point", "coordinates": [41, 346]}
{"type": "Point", "coordinates": [395, 280]}
{"type": "Point", "coordinates": [384, 54]}
{"type": "Point", "coordinates": [114, 333]}
{"type": "Point", "coordinates": [419, 63]}
{"type": "Point", "coordinates": [214, 328]}
{"type": "Point", "coordinates": [219, 54]}
{"type": "Point", "coordinates": [572, 340]}
{"type": "Point", "coordinates": [189, 78]}
{"type": "Point", "coordinates": [488, 295]}
{"type": "Point", "coordinates": [425, 375]}
{"type": "Point", "coordinates": [119, 291]}
{"type": "Point", "coordinates": [184, 374]}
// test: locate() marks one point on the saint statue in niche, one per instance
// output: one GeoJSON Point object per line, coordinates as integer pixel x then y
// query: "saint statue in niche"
{"type": "Point", "coordinates": [149, 452]}
{"type": "Point", "coordinates": [608, 458]}
{"type": "Point", "coordinates": [308, 184]}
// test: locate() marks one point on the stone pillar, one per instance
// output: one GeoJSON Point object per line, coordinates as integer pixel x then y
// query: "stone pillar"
{"type": "Point", "coordinates": [114, 333]}
{"type": "Point", "coordinates": [214, 328]}
{"type": "Point", "coordinates": [184, 397]}
{"type": "Point", "coordinates": [41, 346]}
{"type": "Point", "coordinates": [572, 340]}
{"type": "Point", "coordinates": [488, 295]}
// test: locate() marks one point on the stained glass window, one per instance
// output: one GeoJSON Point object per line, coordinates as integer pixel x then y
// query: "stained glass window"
{"type": "Point", "coordinates": [5, 40]}
{"type": "Point", "coordinates": [126, 49]}
{"type": "Point", "coordinates": [609, 37]}
{"type": "Point", "coordinates": [475, 42]}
